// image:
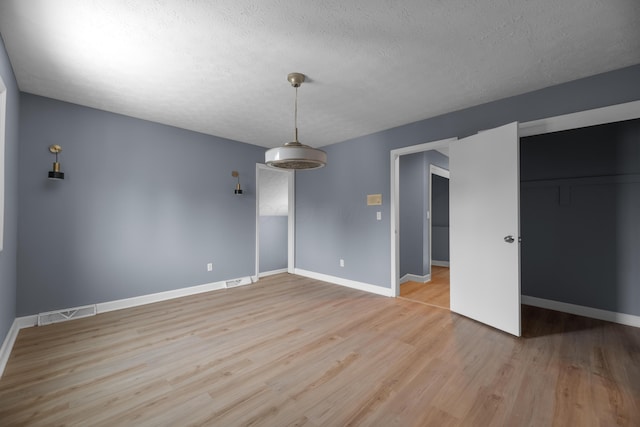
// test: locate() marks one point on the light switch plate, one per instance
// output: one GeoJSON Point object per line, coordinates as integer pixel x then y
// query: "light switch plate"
{"type": "Point", "coordinates": [374, 199]}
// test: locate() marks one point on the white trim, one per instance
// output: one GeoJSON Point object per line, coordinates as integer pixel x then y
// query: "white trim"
{"type": "Point", "coordinates": [594, 313]}
{"type": "Point", "coordinates": [580, 119]}
{"type": "Point", "coordinates": [272, 272]}
{"type": "Point", "coordinates": [361, 286]}
{"type": "Point", "coordinates": [7, 345]}
{"type": "Point", "coordinates": [440, 263]}
{"type": "Point", "coordinates": [27, 321]}
{"type": "Point", "coordinates": [415, 278]}
{"type": "Point", "coordinates": [437, 170]}
{"type": "Point", "coordinates": [394, 218]}
{"type": "Point", "coordinates": [104, 307]}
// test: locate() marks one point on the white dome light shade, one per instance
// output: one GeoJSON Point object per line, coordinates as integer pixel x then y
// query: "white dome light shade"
{"type": "Point", "coordinates": [296, 156]}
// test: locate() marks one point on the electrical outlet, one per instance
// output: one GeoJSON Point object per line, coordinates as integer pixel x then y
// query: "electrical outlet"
{"type": "Point", "coordinates": [341, 263]}
{"type": "Point", "coordinates": [210, 266]}
{"type": "Point", "coordinates": [378, 216]}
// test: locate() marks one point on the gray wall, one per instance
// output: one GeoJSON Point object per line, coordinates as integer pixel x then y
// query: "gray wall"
{"type": "Point", "coordinates": [580, 216]}
{"type": "Point", "coordinates": [144, 207]}
{"type": "Point", "coordinates": [8, 256]}
{"type": "Point", "coordinates": [412, 213]}
{"type": "Point", "coordinates": [273, 242]}
{"type": "Point", "coordinates": [440, 218]}
{"type": "Point", "coordinates": [332, 219]}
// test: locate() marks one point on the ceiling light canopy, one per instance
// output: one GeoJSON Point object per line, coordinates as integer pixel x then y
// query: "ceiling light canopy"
{"type": "Point", "coordinates": [294, 155]}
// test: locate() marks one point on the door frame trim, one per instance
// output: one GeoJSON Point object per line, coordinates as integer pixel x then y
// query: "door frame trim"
{"type": "Point", "coordinates": [581, 119]}
{"type": "Point", "coordinates": [394, 217]}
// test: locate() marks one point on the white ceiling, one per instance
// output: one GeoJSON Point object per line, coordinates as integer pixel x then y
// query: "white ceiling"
{"type": "Point", "coordinates": [219, 67]}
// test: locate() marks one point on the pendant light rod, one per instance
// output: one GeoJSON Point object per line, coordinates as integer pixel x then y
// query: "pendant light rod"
{"type": "Point", "coordinates": [295, 115]}
{"type": "Point", "coordinates": [296, 80]}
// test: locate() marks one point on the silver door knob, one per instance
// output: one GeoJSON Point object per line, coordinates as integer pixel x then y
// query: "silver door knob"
{"type": "Point", "coordinates": [509, 239]}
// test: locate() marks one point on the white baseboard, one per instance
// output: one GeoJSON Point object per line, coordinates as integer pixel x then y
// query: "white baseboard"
{"type": "Point", "coordinates": [104, 307]}
{"type": "Point", "coordinates": [27, 321]}
{"type": "Point", "coordinates": [361, 286]}
{"type": "Point", "coordinates": [595, 313]}
{"type": "Point", "coordinates": [272, 272]}
{"type": "Point", "coordinates": [415, 278]}
{"type": "Point", "coordinates": [440, 263]}
{"type": "Point", "coordinates": [7, 345]}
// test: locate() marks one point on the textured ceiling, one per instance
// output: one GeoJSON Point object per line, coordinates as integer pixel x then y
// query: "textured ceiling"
{"type": "Point", "coordinates": [219, 67]}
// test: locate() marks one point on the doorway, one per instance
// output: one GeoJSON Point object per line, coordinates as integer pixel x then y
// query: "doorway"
{"type": "Point", "coordinates": [395, 213]}
{"type": "Point", "coordinates": [424, 232]}
{"type": "Point", "coordinates": [476, 246]}
{"type": "Point", "coordinates": [275, 221]}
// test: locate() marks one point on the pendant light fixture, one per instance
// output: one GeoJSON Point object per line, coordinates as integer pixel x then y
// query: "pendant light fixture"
{"type": "Point", "coordinates": [294, 155]}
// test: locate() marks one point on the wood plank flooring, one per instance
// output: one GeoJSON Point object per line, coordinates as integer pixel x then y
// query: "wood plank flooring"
{"type": "Point", "coordinates": [435, 292]}
{"type": "Point", "coordinates": [291, 351]}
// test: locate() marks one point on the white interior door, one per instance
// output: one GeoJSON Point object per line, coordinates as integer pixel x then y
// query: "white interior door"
{"type": "Point", "coordinates": [485, 227]}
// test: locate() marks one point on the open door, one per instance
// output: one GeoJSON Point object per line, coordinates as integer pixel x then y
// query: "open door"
{"type": "Point", "coordinates": [485, 228]}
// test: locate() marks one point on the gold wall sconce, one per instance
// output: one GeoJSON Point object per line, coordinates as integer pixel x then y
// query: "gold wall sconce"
{"type": "Point", "coordinates": [238, 190]}
{"type": "Point", "coordinates": [55, 174]}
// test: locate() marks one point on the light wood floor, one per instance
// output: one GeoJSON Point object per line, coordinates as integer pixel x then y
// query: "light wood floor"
{"type": "Point", "coordinates": [294, 351]}
{"type": "Point", "coordinates": [434, 292]}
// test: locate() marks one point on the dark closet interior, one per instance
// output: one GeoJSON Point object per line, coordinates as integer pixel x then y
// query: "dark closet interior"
{"type": "Point", "coordinates": [580, 216]}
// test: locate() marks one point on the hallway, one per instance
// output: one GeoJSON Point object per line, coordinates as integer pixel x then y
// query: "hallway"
{"type": "Point", "coordinates": [435, 292]}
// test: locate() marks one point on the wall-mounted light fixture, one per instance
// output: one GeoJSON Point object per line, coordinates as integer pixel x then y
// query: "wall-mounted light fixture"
{"type": "Point", "coordinates": [55, 174]}
{"type": "Point", "coordinates": [238, 190]}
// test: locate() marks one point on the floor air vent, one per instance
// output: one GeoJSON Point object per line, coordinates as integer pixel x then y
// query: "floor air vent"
{"type": "Point", "coordinates": [64, 315]}
{"type": "Point", "coordinates": [238, 282]}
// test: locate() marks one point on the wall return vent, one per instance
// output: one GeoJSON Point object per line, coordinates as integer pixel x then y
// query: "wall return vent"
{"type": "Point", "coordinates": [238, 282]}
{"type": "Point", "coordinates": [67, 314]}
